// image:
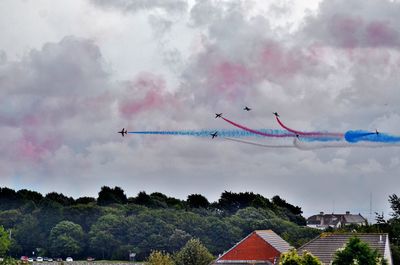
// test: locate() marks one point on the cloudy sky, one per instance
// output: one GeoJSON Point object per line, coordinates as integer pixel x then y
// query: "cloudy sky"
{"type": "Point", "coordinates": [73, 73]}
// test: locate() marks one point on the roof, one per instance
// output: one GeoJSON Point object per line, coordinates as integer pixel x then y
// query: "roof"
{"type": "Point", "coordinates": [274, 240]}
{"type": "Point", "coordinates": [325, 245]}
{"type": "Point", "coordinates": [354, 218]}
{"type": "Point", "coordinates": [334, 219]}
{"type": "Point", "coordinates": [261, 247]}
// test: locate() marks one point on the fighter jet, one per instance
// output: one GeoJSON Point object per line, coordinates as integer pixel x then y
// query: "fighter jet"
{"type": "Point", "coordinates": [218, 115]}
{"type": "Point", "coordinates": [276, 114]}
{"type": "Point", "coordinates": [246, 108]}
{"type": "Point", "coordinates": [123, 132]}
{"type": "Point", "coordinates": [215, 134]}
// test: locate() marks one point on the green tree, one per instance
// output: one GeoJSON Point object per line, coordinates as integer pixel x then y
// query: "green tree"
{"type": "Point", "coordinates": [177, 240]}
{"type": "Point", "coordinates": [107, 234]}
{"type": "Point", "coordinates": [60, 198]}
{"type": "Point", "coordinates": [66, 238]}
{"type": "Point", "coordinates": [395, 205]}
{"type": "Point", "coordinates": [109, 196]}
{"type": "Point", "coordinates": [293, 258]}
{"type": "Point", "coordinates": [9, 261]}
{"type": "Point", "coordinates": [4, 241]}
{"type": "Point", "coordinates": [193, 253]}
{"type": "Point", "coordinates": [357, 252]}
{"type": "Point", "coordinates": [197, 201]}
{"type": "Point", "coordinates": [28, 236]}
{"type": "Point", "coordinates": [10, 218]}
{"type": "Point", "coordinates": [160, 258]}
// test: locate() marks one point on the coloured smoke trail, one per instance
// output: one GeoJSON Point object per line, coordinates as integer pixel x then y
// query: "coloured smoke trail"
{"type": "Point", "coordinates": [300, 140]}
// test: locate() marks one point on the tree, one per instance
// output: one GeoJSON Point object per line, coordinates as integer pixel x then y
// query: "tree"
{"type": "Point", "coordinates": [85, 200]}
{"type": "Point", "coordinates": [282, 203]}
{"type": "Point", "coordinates": [60, 198]}
{"type": "Point", "coordinates": [177, 240]}
{"type": "Point", "coordinates": [160, 258]}
{"type": "Point", "coordinates": [107, 234]}
{"type": "Point", "coordinates": [395, 205]}
{"type": "Point", "coordinates": [29, 195]}
{"type": "Point", "coordinates": [66, 238]}
{"type": "Point", "coordinates": [357, 252]}
{"type": "Point", "coordinates": [293, 258]}
{"type": "Point", "coordinates": [10, 218]}
{"type": "Point", "coordinates": [28, 235]}
{"type": "Point", "coordinates": [197, 201]}
{"type": "Point", "coordinates": [109, 196]}
{"type": "Point", "coordinates": [193, 253]}
{"type": "Point", "coordinates": [4, 241]}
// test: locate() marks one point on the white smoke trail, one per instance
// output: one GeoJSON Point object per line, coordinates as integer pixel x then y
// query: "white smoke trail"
{"type": "Point", "coordinates": [339, 144]}
{"type": "Point", "coordinates": [304, 146]}
{"type": "Point", "coordinates": [259, 144]}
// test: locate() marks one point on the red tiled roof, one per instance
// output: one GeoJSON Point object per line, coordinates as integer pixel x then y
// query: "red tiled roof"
{"type": "Point", "coordinates": [260, 247]}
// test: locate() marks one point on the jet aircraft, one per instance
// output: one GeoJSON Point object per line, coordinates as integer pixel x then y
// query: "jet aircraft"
{"type": "Point", "coordinates": [215, 134]}
{"type": "Point", "coordinates": [247, 108]}
{"type": "Point", "coordinates": [276, 114]}
{"type": "Point", "coordinates": [218, 115]}
{"type": "Point", "coordinates": [123, 132]}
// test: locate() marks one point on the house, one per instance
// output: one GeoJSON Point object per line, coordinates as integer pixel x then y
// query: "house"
{"type": "Point", "coordinates": [323, 221]}
{"type": "Point", "coordinates": [261, 247]}
{"type": "Point", "coordinates": [325, 245]}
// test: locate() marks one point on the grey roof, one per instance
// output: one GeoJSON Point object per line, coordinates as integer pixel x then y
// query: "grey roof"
{"type": "Point", "coordinates": [274, 240]}
{"type": "Point", "coordinates": [334, 219]}
{"type": "Point", "coordinates": [325, 246]}
{"type": "Point", "coordinates": [354, 218]}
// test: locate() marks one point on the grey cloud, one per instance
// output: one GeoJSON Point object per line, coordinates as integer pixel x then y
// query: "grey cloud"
{"type": "Point", "coordinates": [62, 113]}
{"type": "Point", "coordinates": [352, 24]}
{"type": "Point", "coordinates": [173, 6]}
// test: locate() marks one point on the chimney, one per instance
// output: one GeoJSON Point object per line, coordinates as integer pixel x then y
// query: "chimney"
{"type": "Point", "coordinates": [347, 212]}
{"type": "Point", "coordinates": [322, 218]}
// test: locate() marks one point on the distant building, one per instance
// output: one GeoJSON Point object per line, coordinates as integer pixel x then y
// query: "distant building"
{"type": "Point", "coordinates": [323, 221]}
{"type": "Point", "coordinates": [325, 245]}
{"type": "Point", "coordinates": [261, 247]}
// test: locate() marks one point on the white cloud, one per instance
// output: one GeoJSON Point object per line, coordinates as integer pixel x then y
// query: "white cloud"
{"type": "Point", "coordinates": [167, 66]}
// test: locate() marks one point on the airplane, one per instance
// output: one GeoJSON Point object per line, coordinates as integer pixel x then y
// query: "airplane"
{"type": "Point", "coordinates": [247, 108]}
{"type": "Point", "coordinates": [123, 132]}
{"type": "Point", "coordinates": [218, 115]}
{"type": "Point", "coordinates": [276, 114]}
{"type": "Point", "coordinates": [214, 135]}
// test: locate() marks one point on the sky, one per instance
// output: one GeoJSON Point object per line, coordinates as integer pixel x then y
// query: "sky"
{"type": "Point", "coordinates": [73, 73]}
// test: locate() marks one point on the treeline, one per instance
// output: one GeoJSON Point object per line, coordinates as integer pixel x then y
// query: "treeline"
{"type": "Point", "coordinates": [112, 225]}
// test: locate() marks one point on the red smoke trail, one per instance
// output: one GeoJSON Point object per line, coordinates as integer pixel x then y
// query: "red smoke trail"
{"type": "Point", "coordinates": [258, 132]}
{"type": "Point", "coordinates": [327, 134]}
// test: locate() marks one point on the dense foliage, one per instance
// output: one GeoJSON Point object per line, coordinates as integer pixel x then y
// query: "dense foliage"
{"type": "Point", "coordinates": [160, 258]}
{"type": "Point", "coordinates": [112, 225]}
{"type": "Point", "coordinates": [4, 242]}
{"type": "Point", "coordinates": [193, 253]}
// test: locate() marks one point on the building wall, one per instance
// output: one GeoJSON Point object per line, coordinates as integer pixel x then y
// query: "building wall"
{"type": "Point", "coordinates": [252, 248]}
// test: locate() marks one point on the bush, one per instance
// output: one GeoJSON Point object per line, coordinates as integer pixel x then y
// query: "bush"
{"type": "Point", "coordinates": [160, 258]}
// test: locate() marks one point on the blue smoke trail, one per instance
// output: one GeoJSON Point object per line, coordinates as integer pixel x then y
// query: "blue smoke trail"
{"type": "Point", "coordinates": [208, 132]}
{"type": "Point", "coordinates": [365, 136]}
{"type": "Point", "coordinates": [350, 136]}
